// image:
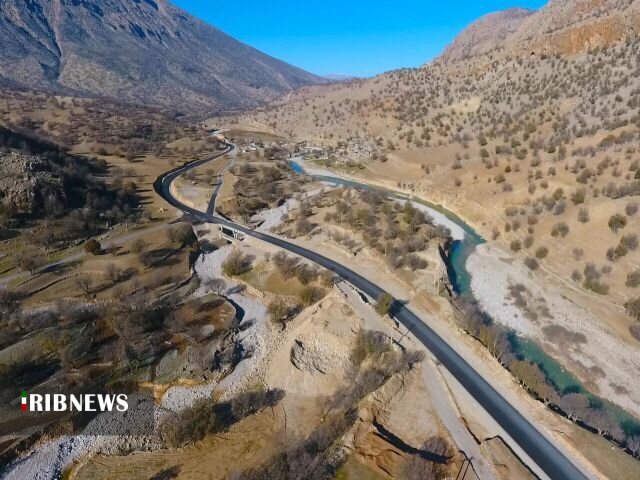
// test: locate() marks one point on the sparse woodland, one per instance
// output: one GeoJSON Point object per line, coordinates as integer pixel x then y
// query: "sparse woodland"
{"type": "Point", "coordinates": [551, 140]}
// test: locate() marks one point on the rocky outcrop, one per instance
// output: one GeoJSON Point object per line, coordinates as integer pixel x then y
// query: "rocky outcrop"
{"type": "Point", "coordinates": [575, 26]}
{"type": "Point", "coordinates": [311, 356]}
{"type": "Point", "coordinates": [563, 27]}
{"type": "Point", "coordinates": [486, 34]}
{"type": "Point", "coordinates": [27, 183]}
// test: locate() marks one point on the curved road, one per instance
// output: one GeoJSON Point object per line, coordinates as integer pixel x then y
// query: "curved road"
{"type": "Point", "coordinates": [541, 450]}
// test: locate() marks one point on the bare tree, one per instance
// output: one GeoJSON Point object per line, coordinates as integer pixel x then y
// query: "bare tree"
{"type": "Point", "coordinates": [574, 405]}
{"type": "Point", "coordinates": [29, 262]}
{"type": "Point", "coordinates": [85, 284]}
{"type": "Point", "coordinates": [113, 273]}
{"type": "Point", "coordinates": [236, 263]}
{"type": "Point", "coordinates": [280, 311]}
{"type": "Point", "coordinates": [430, 463]}
{"type": "Point", "coordinates": [217, 285]}
{"type": "Point", "coordinates": [137, 246]}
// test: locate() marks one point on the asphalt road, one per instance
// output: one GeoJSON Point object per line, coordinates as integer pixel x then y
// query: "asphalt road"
{"type": "Point", "coordinates": [538, 447]}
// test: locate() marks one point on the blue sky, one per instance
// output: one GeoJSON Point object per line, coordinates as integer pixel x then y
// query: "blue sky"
{"type": "Point", "coordinates": [355, 37]}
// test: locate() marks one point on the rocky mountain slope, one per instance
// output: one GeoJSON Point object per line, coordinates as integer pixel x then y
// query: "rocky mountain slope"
{"type": "Point", "coordinates": [560, 27]}
{"type": "Point", "coordinates": [574, 26]}
{"type": "Point", "coordinates": [486, 34]}
{"type": "Point", "coordinates": [26, 182]}
{"type": "Point", "coordinates": [142, 51]}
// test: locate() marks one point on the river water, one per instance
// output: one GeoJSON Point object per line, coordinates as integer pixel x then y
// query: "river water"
{"type": "Point", "coordinates": [460, 279]}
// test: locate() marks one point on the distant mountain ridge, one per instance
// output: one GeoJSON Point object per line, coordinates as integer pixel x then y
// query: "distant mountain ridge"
{"type": "Point", "coordinates": [559, 27]}
{"type": "Point", "coordinates": [339, 77]}
{"type": "Point", "coordinates": [141, 51]}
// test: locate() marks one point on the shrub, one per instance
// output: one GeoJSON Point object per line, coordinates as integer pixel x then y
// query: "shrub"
{"type": "Point", "coordinates": [630, 242]}
{"type": "Point", "coordinates": [415, 262]}
{"type": "Point", "coordinates": [558, 194]}
{"type": "Point", "coordinates": [137, 246]}
{"type": "Point", "coordinates": [617, 222]}
{"type": "Point", "coordinates": [631, 209]}
{"type": "Point", "coordinates": [559, 208]}
{"type": "Point", "coordinates": [596, 286]}
{"type": "Point", "coordinates": [560, 229]}
{"type": "Point", "coordinates": [328, 279]}
{"type": "Point", "coordinates": [369, 344]}
{"type": "Point", "coordinates": [280, 311]}
{"type": "Point", "coordinates": [306, 274]}
{"type": "Point", "coordinates": [583, 215]}
{"type": "Point", "coordinates": [384, 304]}
{"type": "Point", "coordinates": [303, 226]}
{"type": "Point", "coordinates": [208, 416]}
{"type": "Point", "coordinates": [632, 307]}
{"type": "Point", "coordinates": [516, 246]}
{"type": "Point", "coordinates": [93, 247]}
{"type": "Point", "coordinates": [310, 295]}
{"type": "Point", "coordinates": [528, 241]}
{"type": "Point", "coordinates": [615, 253]}
{"type": "Point", "coordinates": [633, 279]}
{"type": "Point", "coordinates": [236, 263]}
{"type": "Point", "coordinates": [113, 273]}
{"type": "Point", "coordinates": [542, 252]}
{"type": "Point", "coordinates": [578, 196]}
{"type": "Point", "coordinates": [286, 265]}
{"type": "Point", "coordinates": [532, 263]}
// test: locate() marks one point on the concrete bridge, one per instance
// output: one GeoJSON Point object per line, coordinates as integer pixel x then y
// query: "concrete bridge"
{"type": "Point", "coordinates": [231, 233]}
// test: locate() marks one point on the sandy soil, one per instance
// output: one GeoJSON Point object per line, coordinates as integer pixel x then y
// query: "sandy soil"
{"type": "Point", "coordinates": [193, 194]}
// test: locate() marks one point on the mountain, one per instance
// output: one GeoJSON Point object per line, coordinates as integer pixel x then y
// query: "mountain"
{"type": "Point", "coordinates": [560, 27]}
{"type": "Point", "coordinates": [575, 26]}
{"type": "Point", "coordinates": [486, 34]}
{"type": "Point", "coordinates": [139, 51]}
{"type": "Point", "coordinates": [338, 77]}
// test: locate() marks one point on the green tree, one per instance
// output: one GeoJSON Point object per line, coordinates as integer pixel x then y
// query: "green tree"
{"type": "Point", "coordinates": [617, 222]}
{"type": "Point", "coordinates": [384, 304]}
{"type": "Point", "coordinates": [92, 246]}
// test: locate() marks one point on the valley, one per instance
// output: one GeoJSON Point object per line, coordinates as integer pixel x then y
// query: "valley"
{"type": "Point", "coordinates": [426, 272]}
